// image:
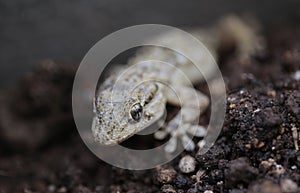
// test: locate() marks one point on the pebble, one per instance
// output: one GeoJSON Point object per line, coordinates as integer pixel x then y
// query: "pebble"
{"type": "Point", "coordinates": [294, 167]}
{"type": "Point", "coordinates": [240, 172]}
{"type": "Point", "coordinates": [265, 187]}
{"type": "Point", "coordinates": [166, 175]}
{"type": "Point", "coordinates": [167, 188]}
{"type": "Point", "coordinates": [62, 189]}
{"type": "Point", "coordinates": [81, 189]}
{"type": "Point", "coordinates": [288, 185]}
{"type": "Point", "coordinates": [187, 164]}
{"type": "Point", "coordinates": [277, 169]}
{"type": "Point", "coordinates": [51, 188]}
{"type": "Point", "coordinates": [297, 75]}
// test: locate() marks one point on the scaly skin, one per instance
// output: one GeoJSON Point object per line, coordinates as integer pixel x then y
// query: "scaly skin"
{"type": "Point", "coordinates": [132, 99]}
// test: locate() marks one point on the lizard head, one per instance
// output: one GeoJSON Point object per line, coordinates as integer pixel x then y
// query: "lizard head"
{"type": "Point", "coordinates": [120, 118]}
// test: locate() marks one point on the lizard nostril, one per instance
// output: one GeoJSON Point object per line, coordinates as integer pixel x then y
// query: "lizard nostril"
{"type": "Point", "coordinates": [147, 115]}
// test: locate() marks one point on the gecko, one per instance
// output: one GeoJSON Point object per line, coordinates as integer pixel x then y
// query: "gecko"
{"type": "Point", "coordinates": [122, 110]}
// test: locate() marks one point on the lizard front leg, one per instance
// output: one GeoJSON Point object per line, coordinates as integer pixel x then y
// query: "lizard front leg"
{"type": "Point", "coordinates": [192, 103]}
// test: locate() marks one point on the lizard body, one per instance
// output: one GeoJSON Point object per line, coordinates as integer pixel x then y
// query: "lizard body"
{"type": "Point", "coordinates": [135, 97]}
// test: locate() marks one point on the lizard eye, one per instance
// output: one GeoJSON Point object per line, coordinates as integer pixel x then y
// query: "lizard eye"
{"type": "Point", "coordinates": [136, 111]}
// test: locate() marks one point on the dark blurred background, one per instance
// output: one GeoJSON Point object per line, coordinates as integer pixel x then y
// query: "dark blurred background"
{"type": "Point", "coordinates": [33, 30]}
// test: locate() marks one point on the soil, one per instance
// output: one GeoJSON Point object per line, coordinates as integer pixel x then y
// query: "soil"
{"type": "Point", "coordinates": [41, 150]}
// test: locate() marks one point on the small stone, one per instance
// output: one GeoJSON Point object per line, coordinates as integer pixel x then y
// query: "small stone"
{"type": "Point", "coordinates": [208, 191]}
{"type": "Point", "coordinates": [271, 93]}
{"type": "Point", "coordinates": [187, 164]}
{"type": "Point", "coordinates": [27, 191]}
{"type": "Point", "coordinates": [265, 187]}
{"type": "Point", "coordinates": [51, 188]}
{"type": "Point", "coordinates": [248, 146]}
{"type": "Point", "coordinates": [273, 148]}
{"type": "Point", "coordinates": [81, 189]}
{"type": "Point", "coordinates": [167, 188]}
{"type": "Point", "coordinates": [62, 189]}
{"type": "Point", "coordinates": [260, 145]}
{"type": "Point", "coordinates": [297, 75]}
{"type": "Point", "coordinates": [272, 166]}
{"type": "Point", "coordinates": [288, 185]}
{"type": "Point", "coordinates": [232, 106]}
{"type": "Point", "coordinates": [166, 175]}
{"type": "Point", "coordinates": [267, 164]}
{"type": "Point", "coordinates": [240, 172]}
